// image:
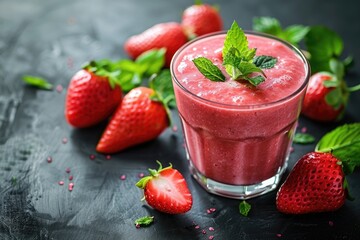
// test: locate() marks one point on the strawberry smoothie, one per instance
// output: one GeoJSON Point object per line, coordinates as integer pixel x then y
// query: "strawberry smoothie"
{"type": "Point", "coordinates": [237, 135]}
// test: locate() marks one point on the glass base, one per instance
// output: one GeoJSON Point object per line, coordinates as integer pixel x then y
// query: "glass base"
{"type": "Point", "coordinates": [237, 191]}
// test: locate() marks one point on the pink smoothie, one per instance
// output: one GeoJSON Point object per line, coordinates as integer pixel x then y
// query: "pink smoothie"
{"type": "Point", "coordinates": [235, 133]}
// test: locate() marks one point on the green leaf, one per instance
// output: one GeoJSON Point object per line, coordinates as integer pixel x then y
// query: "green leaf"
{"type": "Point", "coordinates": [143, 181]}
{"type": "Point", "coordinates": [152, 60]}
{"type": "Point", "coordinates": [344, 143]}
{"type": "Point", "coordinates": [144, 221]}
{"type": "Point", "coordinates": [295, 33]}
{"type": "Point", "coordinates": [244, 208]}
{"type": "Point", "coordinates": [334, 98]}
{"type": "Point", "coordinates": [303, 138]}
{"type": "Point", "coordinates": [208, 69]}
{"type": "Point", "coordinates": [267, 25]}
{"type": "Point", "coordinates": [265, 62]}
{"type": "Point", "coordinates": [37, 82]}
{"type": "Point", "coordinates": [235, 38]}
{"type": "Point", "coordinates": [255, 80]}
{"type": "Point", "coordinates": [162, 84]}
{"type": "Point", "coordinates": [247, 68]}
{"type": "Point", "coordinates": [322, 44]}
{"type": "Point", "coordinates": [337, 67]}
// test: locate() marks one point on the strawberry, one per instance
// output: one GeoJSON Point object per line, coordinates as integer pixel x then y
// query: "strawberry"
{"type": "Point", "coordinates": [200, 19]}
{"type": "Point", "coordinates": [316, 184]}
{"type": "Point", "coordinates": [164, 35]}
{"type": "Point", "coordinates": [325, 98]}
{"type": "Point", "coordinates": [138, 119]}
{"type": "Point", "coordinates": [91, 98]}
{"type": "Point", "coordinates": [166, 190]}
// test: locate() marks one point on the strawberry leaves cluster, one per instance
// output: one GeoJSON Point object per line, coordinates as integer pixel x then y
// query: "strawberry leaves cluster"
{"type": "Point", "coordinates": [127, 73]}
{"type": "Point", "coordinates": [239, 60]}
{"type": "Point", "coordinates": [323, 48]}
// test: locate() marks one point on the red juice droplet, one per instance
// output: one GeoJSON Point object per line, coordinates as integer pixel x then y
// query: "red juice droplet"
{"type": "Point", "coordinates": [212, 209]}
{"type": "Point", "coordinates": [108, 157]}
{"type": "Point", "coordinates": [71, 177]}
{"type": "Point", "coordinates": [279, 235]}
{"type": "Point", "coordinates": [64, 140]}
{"type": "Point", "coordinates": [141, 175]}
{"type": "Point", "coordinates": [122, 177]}
{"type": "Point", "coordinates": [203, 231]}
{"type": "Point", "coordinates": [67, 170]}
{"type": "Point", "coordinates": [208, 211]}
{"type": "Point", "coordinates": [211, 229]}
{"type": "Point", "coordinates": [197, 227]}
{"type": "Point", "coordinates": [92, 156]}
{"type": "Point", "coordinates": [331, 223]}
{"type": "Point", "coordinates": [49, 159]}
{"type": "Point", "coordinates": [211, 237]}
{"type": "Point", "coordinates": [304, 129]}
{"type": "Point", "coordinates": [174, 128]}
{"type": "Point", "coordinates": [61, 183]}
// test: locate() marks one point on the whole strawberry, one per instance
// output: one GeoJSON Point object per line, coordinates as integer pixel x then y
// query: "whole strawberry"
{"type": "Point", "coordinates": [166, 190]}
{"type": "Point", "coordinates": [326, 97]}
{"type": "Point", "coordinates": [90, 98]}
{"type": "Point", "coordinates": [200, 19]}
{"type": "Point", "coordinates": [164, 35]}
{"type": "Point", "coordinates": [138, 119]}
{"type": "Point", "coordinates": [316, 184]}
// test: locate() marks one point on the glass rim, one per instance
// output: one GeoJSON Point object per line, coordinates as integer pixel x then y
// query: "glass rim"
{"type": "Point", "coordinates": [246, 106]}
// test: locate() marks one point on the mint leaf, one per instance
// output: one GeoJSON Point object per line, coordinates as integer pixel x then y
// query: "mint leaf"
{"type": "Point", "coordinates": [303, 138]}
{"type": "Point", "coordinates": [247, 68]}
{"type": "Point", "coordinates": [255, 80]}
{"type": "Point", "coordinates": [208, 69]}
{"type": "Point", "coordinates": [265, 61]}
{"type": "Point", "coordinates": [144, 221]}
{"type": "Point", "coordinates": [344, 143]}
{"type": "Point", "coordinates": [236, 38]}
{"type": "Point", "coordinates": [267, 25]}
{"type": "Point", "coordinates": [37, 82]}
{"type": "Point", "coordinates": [244, 208]}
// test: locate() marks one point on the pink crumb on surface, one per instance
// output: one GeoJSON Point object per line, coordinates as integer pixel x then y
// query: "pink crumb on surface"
{"type": "Point", "coordinates": [279, 235]}
{"type": "Point", "coordinates": [49, 159]}
{"type": "Point", "coordinates": [123, 177]}
{"type": "Point", "coordinates": [59, 88]}
{"type": "Point", "coordinates": [141, 175]}
{"type": "Point", "coordinates": [61, 183]}
{"type": "Point", "coordinates": [71, 186]}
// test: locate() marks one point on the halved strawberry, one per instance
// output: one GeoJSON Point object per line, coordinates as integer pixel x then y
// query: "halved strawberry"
{"type": "Point", "coordinates": [166, 190]}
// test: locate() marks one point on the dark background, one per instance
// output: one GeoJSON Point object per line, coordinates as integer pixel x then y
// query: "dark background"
{"type": "Point", "coordinates": [52, 39]}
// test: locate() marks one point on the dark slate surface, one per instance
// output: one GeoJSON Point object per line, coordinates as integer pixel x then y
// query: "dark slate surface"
{"type": "Point", "coordinates": [52, 39]}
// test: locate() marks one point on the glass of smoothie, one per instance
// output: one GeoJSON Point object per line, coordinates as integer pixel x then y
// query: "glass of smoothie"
{"type": "Point", "coordinates": [238, 137]}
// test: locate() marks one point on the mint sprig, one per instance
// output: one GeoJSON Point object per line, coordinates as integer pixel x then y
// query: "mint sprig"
{"type": "Point", "coordinates": [238, 59]}
{"type": "Point", "coordinates": [344, 143]}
